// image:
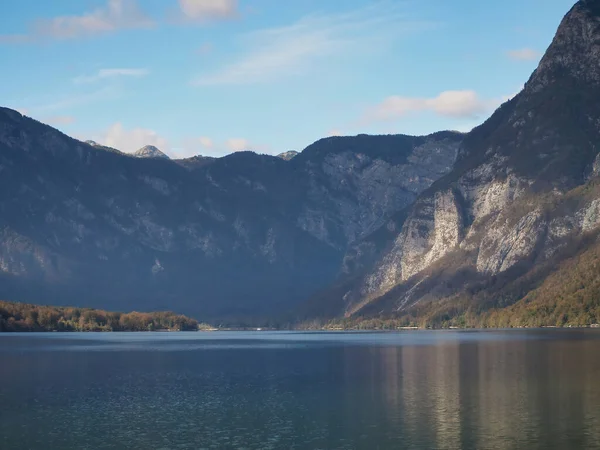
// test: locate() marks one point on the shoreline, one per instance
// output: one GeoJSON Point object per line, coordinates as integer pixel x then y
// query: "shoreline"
{"type": "Point", "coordinates": [315, 330]}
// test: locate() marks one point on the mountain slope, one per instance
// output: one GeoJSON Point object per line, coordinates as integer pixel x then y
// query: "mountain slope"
{"type": "Point", "coordinates": [522, 190]}
{"type": "Point", "coordinates": [241, 236]}
{"type": "Point", "coordinates": [569, 296]}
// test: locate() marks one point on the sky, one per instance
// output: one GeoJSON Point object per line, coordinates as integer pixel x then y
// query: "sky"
{"type": "Point", "coordinates": [213, 77]}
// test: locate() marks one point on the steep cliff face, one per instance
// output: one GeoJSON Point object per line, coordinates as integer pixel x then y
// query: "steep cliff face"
{"type": "Point", "coordinates": [523, 188]}
{"type": "Point", "coordinates": [355, 183]}
{"type": "Point", "coordinates": [243, 235]}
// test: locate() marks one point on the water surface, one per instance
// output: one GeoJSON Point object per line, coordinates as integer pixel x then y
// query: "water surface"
{"type": "Point", "coordinates": [535, 389]}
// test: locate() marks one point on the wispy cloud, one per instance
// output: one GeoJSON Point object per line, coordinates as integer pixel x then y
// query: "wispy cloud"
{"type": "Point", "coordinates": [524, 54]}
{"type": "Point", "coordinates": [103, 94]}
{"type": "Point", "coordinates": [272, 53]}
{"type": "Point", "coordinates": [111, 73]}
{"type": "Point", "coordinates": [84, 96]}
{"type": "Point", "coordinates": [208, 10]}
{"type": "Point", "coordinates": [115, 15]}
{"type": "Point", "coordinates": [454, 104]}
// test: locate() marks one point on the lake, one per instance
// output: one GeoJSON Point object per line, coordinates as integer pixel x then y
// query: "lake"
{"type": "Point", "coordinates": [534, 389]}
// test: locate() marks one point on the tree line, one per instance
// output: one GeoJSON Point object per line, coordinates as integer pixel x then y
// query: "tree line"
{"type": "Point", "coordinates": [27, 317]}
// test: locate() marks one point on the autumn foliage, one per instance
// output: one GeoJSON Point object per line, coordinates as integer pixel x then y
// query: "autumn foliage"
{"type": "Point", "coordinates": [26, 317]}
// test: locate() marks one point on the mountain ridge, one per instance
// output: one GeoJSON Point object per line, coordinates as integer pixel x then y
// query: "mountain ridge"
{"type": "Point", "coordinates": [82, 225]}
{"type": "Point", "coordinates": [514, 199]}
{"type": "Point", "coordinates": [449, 229]}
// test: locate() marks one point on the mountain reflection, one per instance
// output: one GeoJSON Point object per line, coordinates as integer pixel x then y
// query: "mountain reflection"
{"type": "Point", "coordinates": [533, 390]}
{"type": "Point", "coordinates": [482, 395]}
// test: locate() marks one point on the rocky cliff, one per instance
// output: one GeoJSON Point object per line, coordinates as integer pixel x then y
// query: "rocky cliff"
{"type": "Point", "coordinates": [288, 155]}
{"type": "Point", "coordinates": [522, 194]}
{"type": "Point", "coordinates": [244, 235]}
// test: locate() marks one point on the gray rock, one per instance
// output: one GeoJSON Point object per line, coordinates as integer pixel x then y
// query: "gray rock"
{"type": "Point", "coordinates": [515, 197]}
{"type": "Point", "coordinates": [150, 151]}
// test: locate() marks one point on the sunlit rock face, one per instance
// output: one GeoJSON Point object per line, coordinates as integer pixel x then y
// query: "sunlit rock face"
{"type": "Point", "coordinates": [524, 187]}
{"type": "Point", "coordinates": [245, 235]}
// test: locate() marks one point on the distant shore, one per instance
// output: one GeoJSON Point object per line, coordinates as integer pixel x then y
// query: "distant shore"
{"type": "Point", "coordinates": [25, 317]}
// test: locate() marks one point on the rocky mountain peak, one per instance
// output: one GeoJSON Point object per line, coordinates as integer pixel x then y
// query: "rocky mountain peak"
{"type": "Point", "coordinates": [288, 155]}
{"type": "Point", "coordinates": [150, 151]}
{"type": "Point", "coordinates": [575, 50]}
{"type": "Point", "coordinates": [548, 132]}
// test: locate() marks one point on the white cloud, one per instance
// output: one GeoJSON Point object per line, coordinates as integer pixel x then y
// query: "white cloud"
{"type": "Point", "coordinates": [237, 144]}
{"type": "Point", "coordinates": [524, 54]}
{"type": "Point", "coordinates": [208, 10]}
{"type": "Point", "coordinates": [115, 15]}
{"type": "Point", "coordinates": [334, 132]}
{"type": "Point", "coordinates": [458, 104]}
{"type": "Point", "coordinates": [319, 39]}
{"type": "Point", "coordinates": [454, 104]}
{"type": "Point", "coordinates": [111, 73]}
{"type": "Point", "coordinates": [206, 142]}
{"type": "Point", "coordinates": [130, 140]}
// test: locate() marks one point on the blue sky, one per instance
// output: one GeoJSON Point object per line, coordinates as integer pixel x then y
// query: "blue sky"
{"type": "Point", "coordinates": [215, 76]}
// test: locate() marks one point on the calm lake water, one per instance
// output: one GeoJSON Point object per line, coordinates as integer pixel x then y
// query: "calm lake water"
{"type": "Point", "coordinates": [262, 390]}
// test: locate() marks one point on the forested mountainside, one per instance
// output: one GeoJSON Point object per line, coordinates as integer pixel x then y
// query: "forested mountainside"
{"type": "Point", "coordinates": [245, 235]}
{"type": "Point", "coordinates": [510, 235]}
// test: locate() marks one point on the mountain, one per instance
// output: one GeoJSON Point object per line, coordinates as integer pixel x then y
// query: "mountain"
{"type": "Point", "coordinates": [505, 225]}
{"type": "Point", "coordinates": [196, 162]}
{"type": "Point", "coordinates": [102, 147]}
{"type": "Point", "coordinates": [241, 236]}
{"type": "Point", "coordinates": [149, 151]}
{"type": "Point", "coordinates": [288, 155]}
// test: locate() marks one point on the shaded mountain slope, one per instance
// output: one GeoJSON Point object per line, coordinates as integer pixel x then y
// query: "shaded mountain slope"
{"type": "Point", "coordinates": [243, 235]}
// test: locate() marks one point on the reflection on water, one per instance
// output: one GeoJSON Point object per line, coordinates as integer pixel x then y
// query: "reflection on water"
{"type": "Point", "coordinates": [538, 390]}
